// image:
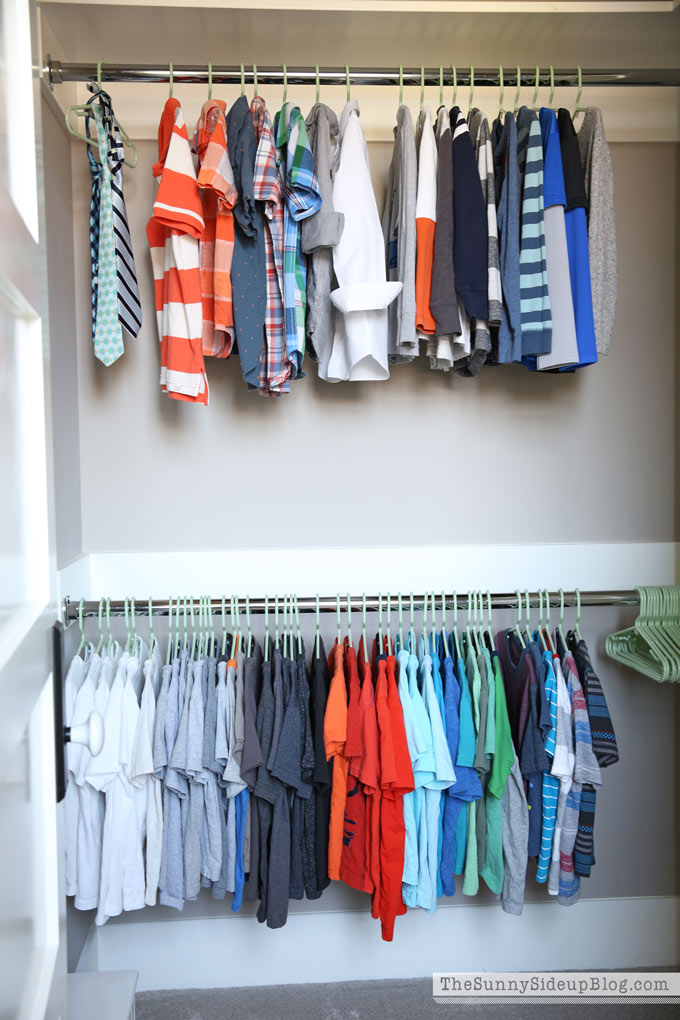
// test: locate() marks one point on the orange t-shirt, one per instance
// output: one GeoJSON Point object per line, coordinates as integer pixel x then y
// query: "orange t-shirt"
{"type": "Point", "coordinates": [335, 735]}
{"type": "Point", "coordinates": [354, 869]}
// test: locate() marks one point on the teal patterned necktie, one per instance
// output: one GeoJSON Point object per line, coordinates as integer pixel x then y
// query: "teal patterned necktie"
{"type": "Point", "coordinates": [108, 335]}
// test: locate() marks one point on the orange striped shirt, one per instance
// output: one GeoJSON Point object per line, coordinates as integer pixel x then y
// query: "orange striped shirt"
{"type": "Point", "coordinates": [173, 233]}
{"type": "Point", "coordinates": [218, 191]}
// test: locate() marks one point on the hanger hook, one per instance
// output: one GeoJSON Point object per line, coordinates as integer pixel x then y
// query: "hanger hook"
{"type": "Point", "coordinates": [441, 84]}
{"type": "Point", "coordinates": [210, 79]}
{"type": "Point", "coordinates": [552, 86]}
{"type": "Point", "coordinates": [80, 624]}
{"type": "Point", "coordinates": [472, 86]}
{"type": "Point", "coordinates": [422, 87]}
{"type": "Point", "coordinates": [577, 592]}
{"type": "Point", "coordinates": [349, 88]}
{"type": "Point", "coordinates": [100, 64]}
{"type": "Point", "coordinates": [501, 83]}
{"type": "Point", "coordinates": [519, 89]}
{"type": "Point", "coordinates": [171, 76]}
{"type": "Point", "coordinates": [579, 79]}
{"type": "Point", "coordinates": [537, 85]}
{"type": "Point", "coordinates": [152, 636]}
{"type": "Point", "coordinates": [318, 83]}
{"type": "Point", "coordinates": [454, 79]}
{"type": "Point", "coordinates": [255, 79]}
{"type": "Point", "coordinates": [285, 96]}
{"type": "Point", "coordinates": [401, 84]}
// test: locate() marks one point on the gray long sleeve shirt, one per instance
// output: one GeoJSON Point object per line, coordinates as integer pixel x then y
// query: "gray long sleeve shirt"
{"type": "Point", "coordinates": [399, 231]}
{"type": "Point", "coordinates": [319, 235]}
{"type": "Point", "coordinates": [599, 180]}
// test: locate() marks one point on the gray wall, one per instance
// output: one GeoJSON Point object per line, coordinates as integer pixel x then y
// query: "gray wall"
{"type": "Point", "coordinates": [609, 430]}
{"type": "Point", "coordinates": [62, 326]}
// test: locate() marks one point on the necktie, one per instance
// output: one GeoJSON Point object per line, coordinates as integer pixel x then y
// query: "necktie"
{"type": "Point", "coordinates": [108, 336]}
{"type": "Point", "coordinates": [129, 305]}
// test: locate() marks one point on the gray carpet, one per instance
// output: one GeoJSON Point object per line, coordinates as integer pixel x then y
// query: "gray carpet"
{"type": "Point", "coordinates": [363, 1000]}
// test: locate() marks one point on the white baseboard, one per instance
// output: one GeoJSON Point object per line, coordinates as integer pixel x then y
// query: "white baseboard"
{"type": "Point", "coordinates": [423, 568]}
{"type": "Point", "coordinates": [346, 946]}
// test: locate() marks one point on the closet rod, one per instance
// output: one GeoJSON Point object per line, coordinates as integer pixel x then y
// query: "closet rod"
{"type": "Point", "coordinates": [328, 603]}
{"type": "Point", "coordinates": [57, 73]}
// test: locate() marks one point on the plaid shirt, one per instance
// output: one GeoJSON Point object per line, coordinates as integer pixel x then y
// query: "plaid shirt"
{"type": "Point", "coordinates": [275, 368]}
{"type": "Point", "coordinates": [218, 193]}
{"type": "Point", "coordinates": [302, 198]}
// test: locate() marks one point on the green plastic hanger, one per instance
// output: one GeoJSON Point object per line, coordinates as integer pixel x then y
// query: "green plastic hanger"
{"type": "Point", "coordinates": [537, 85]}
{"type": "Point", "coordinates": [276, 621]}
{"type": "Point", "coordinates": [548, 635]}
{"type": "Point", "coordinates": [489, 622]}
{"type": "Point", "coordinates": [578, 108]}
{"type": "Point", "coordinates": [560, 625]}
{"type": "Point", "coordinates": [501, 82]}
{"type": "Point", "coordinates": [412, 630]}
{"type": "Point", "coordinates": [456, 641]}
{"type": "Point", "coordinates": [472, 88]}
{"type": "Point", "coordinates": [349, 619]}
{"type": "Point", "coordinates": [401, 84]}
{"type": "Point", "coordinates": [400, 605]}
{"type": "Point", "coordinates": [541, 635]}
{"type": "Point", "coordinates": [266, 628]}
{"type": "Point", "coordinates": [80, 624]}
{"type": "Point", "coordinates": [224, 624]}
{"type": "Point", "coordinates": [284, 638]}
{"type": "Point", "coordinates": [552, 87]}
{"type": "Point", "coordinates": [422, 87]}
{"type": "Point", "coordinates": [194, 634]}
{"type": "Point", "coordinates": [441, 85]}
{"type": "Point", "coordinates": [297, 625]}
{"type": "Point", "coordinates": [128, 634]}
{"type": "Point", "coordinates": [444, 635]}
{"type": "Point", "coordinates": [169, 651]}
{"type": "Point", "coordinates": [243, 80]}
{"type": "Point", "coordinates": [338, 618]}
{"type": "Point", "coordinates": [234, 626]}
{"type": "Point", "coordinates": [171, 79]}
{"type": "Point", "coordinates": [100, 643]}
{"type": "Point", "coordinates": [152, 635]}
{"type": "Point", "coordinates": [380, 622]}
{"type": "Point", "coordinates": [349, 87]}
{"type": "Point", "coordinates": [255, 88]}
{"type": "Point", "coordinates": [363, 625]}
{"type": "Point", "coordinates": [285, 95]}
{"type": "Point", "coordinates": [85, 110]}
{"type": "Point", "coordinates": [527, 627]}
{"type": "Point", "coordinates": [519, 89]}
{"type": "Point", "coordinates": [317, 636]}
{"type": "Point", "coordinates": [577, 626]}
{"type": "Point", "coordinates": [518, 624]}
{"type": "Point", "coordinates": [250, 631]}
{"type": "Point", "coordinates": [388, 623]}
{"type": "Point", "coordinates": [427, 650]}
{"type": "Point", "coordinates": [318, 83]}
{"type": "Point", "coordinates": [454, 79]}
{"type": "Point", "coordinates": [209, 80]}
{"type": "Point", "coordinates": [111, 641]}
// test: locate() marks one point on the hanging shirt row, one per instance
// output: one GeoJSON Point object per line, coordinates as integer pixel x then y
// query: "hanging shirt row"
{"type": "Point", "coordinates": [394, 772]}
{"type": "Point", "coordinates": [497, 245]}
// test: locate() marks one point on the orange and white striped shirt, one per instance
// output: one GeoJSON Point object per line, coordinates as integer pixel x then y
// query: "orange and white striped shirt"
{"type": "Point", "coordinates": [173, 233]}
{"type": "Point", "coordinates": [218, 191]}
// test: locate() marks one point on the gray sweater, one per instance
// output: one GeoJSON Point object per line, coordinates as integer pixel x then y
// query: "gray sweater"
{"type": "Point", "coordinates": [399, 231]}
{"type": "Point", "coordinates": [599, 179]}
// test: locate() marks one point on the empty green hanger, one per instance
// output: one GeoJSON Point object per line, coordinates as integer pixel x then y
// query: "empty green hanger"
{"type": "Point", "coordinates": [86, 110]}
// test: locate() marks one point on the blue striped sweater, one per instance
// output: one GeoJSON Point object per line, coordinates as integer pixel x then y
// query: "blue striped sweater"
{"type": "Point", "coordinates": [536, 317]}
